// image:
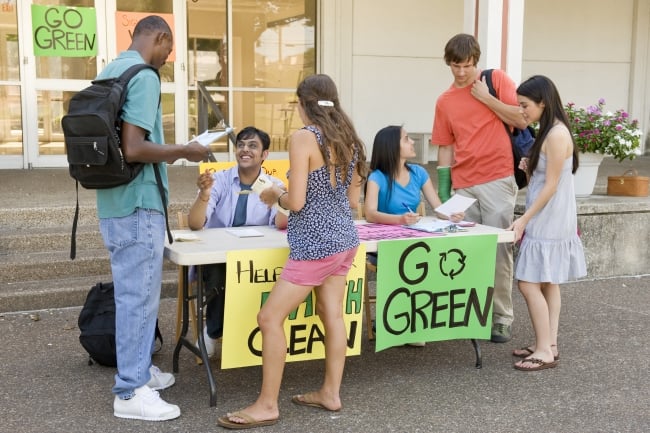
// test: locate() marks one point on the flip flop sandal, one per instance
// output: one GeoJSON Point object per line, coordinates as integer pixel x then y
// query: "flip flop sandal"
{"type": "Point", "coordinates": [300, 400]}
{"type": "Point", "coordinates": [225, 421]}
{"type": "Point", "coordinates": [529, 352]}
{"type": "Point", "coordinates": [540, 365]}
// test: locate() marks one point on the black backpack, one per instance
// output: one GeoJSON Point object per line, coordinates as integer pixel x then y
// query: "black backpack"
{"type": "Point", "coordinates": [92, 132]}
{"type": "Point", "coordinates": [97, 325]}
{"type": "Point", "coordinates": [522, 139]}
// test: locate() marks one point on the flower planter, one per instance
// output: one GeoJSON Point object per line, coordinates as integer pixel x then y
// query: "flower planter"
{"type": "Point", "coordinates": [584, 179]}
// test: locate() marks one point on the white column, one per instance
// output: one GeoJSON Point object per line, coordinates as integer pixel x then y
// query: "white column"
{"type": "Point", "coordinates": [515, 39]}
{"type": "Point", "coordinates": [499, 28]}
{"type": "Point", "coordinates": [489, 32]}
{"type": "Point", "coordinates": [335, 46]}
{"type": "Point", "coordinates": [638, 93]}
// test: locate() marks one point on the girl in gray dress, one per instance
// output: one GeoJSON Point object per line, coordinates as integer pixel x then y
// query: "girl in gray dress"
{"type": "Point", "coordinates": [551, 252]}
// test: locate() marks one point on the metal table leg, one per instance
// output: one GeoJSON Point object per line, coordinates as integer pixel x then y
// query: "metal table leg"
{"type": "Point", "coordinates": [477, 350]}
{"type": "Point", "coordinates": [184, 341]}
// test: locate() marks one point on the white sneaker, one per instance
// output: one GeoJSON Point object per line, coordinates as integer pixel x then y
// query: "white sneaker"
{"type": "Point", "coordinates": [146, 405]}
{"type": "Point", "coordinates": [160, 380]}
{"type": "Point", "coordinates": [210, 343]}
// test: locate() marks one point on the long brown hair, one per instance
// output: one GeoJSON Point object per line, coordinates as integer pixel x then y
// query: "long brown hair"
{"type": "Point", "coordinates": [320, 102]}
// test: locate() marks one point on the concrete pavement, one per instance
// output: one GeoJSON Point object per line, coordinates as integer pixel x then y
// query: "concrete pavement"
{"type": "Point", "coordinates": [600, 385]}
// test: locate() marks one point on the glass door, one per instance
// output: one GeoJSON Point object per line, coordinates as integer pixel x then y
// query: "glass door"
{"type": "Point", "coordinates": [11, 116]}
{"type": "Point", "coordinates": [64, 47]}
{"type": "Point", "coordinates": [66, 44]}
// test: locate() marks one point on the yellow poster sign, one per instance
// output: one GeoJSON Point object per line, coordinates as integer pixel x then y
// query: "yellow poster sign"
{"type": "Point", "coordinates": [250, 278]}
{"type": "Point", "coordinates": [277, 168]}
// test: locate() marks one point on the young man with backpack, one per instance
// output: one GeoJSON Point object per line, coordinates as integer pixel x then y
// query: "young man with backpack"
{"type": "Point", "coordinates": [132, 224]}
{"type": "Point", "coordinates": [475, 157]}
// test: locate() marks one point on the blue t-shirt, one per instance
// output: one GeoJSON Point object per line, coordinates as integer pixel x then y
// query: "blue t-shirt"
{"type": "Point", "coordinates": [142, 109]}
{"type": "Point", "coordinates": [400, 195]}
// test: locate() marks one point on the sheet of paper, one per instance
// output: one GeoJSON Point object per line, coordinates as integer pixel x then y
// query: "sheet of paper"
{"type": "Point", "coordinates": [208, 137]}
{"type": "Point", "coordinates": [244, 232]}
{"type": "Point", "coordinates": [457, 203]}
{"type": "Point", "coordinates": [186, 236]}
{"type": "Point", "coordinates": [435, 226]}
{"type": "Point", "coordinates": [260, 184]}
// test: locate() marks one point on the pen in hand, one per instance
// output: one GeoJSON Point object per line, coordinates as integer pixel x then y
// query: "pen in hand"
{"type": "Point", "coordinates": [407, 207]}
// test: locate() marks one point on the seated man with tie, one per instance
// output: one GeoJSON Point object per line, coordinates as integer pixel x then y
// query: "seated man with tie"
{"type": "Point", "coordinates": [225, 199]}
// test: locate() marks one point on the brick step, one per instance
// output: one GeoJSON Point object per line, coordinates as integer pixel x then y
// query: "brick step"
{"type": "Point", "coordinates": [63, 292]}
{"type": "Point", "coordinates": [45, 265]}
{"type": "Point", "coordinates": [25, 218]}
{"type": "Point", "coordinates": [49, 239]}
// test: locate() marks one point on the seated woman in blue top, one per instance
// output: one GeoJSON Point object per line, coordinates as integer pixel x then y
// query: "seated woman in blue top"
{"type": "Point", "coordinates": [394, 186]}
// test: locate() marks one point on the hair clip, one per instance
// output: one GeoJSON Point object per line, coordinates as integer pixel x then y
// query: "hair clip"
{"type": "Point", "coordinates": [325, 103]}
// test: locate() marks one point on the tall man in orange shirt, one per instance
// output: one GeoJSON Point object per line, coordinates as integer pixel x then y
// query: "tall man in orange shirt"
{"type": "Point", "coordinates": [474, 145]}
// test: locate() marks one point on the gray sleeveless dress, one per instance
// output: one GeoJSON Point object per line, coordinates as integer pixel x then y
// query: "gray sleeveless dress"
{"type": "Point", "coordinates": [551, 250]}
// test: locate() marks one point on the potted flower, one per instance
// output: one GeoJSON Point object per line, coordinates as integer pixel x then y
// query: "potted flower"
{"type": "Point", "coordinates": [607, 133]}
{"type": "Point", "coordinates": [598, 133]}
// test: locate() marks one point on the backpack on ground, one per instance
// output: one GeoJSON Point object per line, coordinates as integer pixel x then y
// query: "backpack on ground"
{"type": "Point", "coordinates": [97, 325]}
{"type": "Point", "coordinates": [92, 132]}
{"type": "Point", "coordinates": [522, 139]}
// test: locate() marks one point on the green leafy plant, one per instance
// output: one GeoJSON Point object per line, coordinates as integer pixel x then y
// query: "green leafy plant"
{"type": "Point", "coordinates": [595, 130]}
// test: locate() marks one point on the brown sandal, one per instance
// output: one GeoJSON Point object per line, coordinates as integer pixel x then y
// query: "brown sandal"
{"type": "Point", "coordinates": [529, 352]}
{"type": "Point", "coordinates": [540, 365]}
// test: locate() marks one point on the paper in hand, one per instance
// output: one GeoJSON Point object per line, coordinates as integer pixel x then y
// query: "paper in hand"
{"type": "Point", "coordinates": [457, 203]}
{"type": "Point", "coordinates": [209, 137]}
{"type": "Point", "coordinates": [260, 184]}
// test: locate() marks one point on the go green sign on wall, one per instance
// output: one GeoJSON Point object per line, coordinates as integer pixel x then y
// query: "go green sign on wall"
{"type": "Point", "coordinates": [64, 31]}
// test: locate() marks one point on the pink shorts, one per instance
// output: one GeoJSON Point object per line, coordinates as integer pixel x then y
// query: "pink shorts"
{"type": "Point", "coordinates": [314, 272]}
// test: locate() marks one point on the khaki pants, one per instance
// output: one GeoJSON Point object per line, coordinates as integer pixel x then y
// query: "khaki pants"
{"type": "Point", "coordinates": [495, 206]}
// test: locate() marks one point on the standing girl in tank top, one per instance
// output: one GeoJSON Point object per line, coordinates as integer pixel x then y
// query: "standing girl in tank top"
{"type": "Point", "coordinates": [328, 166]}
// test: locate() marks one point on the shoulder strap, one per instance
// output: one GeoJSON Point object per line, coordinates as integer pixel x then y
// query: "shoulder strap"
{"type": "Point", "coordinates": [131, 72]}
{"type": "Point", "coordinates": [487, 73]}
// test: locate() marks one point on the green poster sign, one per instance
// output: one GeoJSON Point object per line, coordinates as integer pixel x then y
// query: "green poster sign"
{"type": "Point", "coordinates": [64, 31]}
{"type": "Point", "coordinates": [433, 289]}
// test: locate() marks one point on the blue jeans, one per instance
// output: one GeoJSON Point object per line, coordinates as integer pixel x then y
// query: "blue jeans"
{"type": "Point", "coordinates": [135, 244]}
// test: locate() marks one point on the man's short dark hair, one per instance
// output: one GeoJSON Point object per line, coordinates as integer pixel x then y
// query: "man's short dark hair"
{"type": "Point", "coordinates": [251, 131]}
{"type": "Point", "coordinates": [461, 48]}
{"type": "Point", "coordinates": [150, 24]}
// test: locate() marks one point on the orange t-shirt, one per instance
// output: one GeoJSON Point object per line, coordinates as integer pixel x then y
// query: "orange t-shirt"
{"type": "Point", "coordinates": [482, 148]}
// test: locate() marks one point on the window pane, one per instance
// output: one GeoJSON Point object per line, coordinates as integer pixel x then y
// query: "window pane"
{"type": "Point", "coordinates": [273, 44]}
{"type": "Point", "coordinates": [206, 43]}
{"type": "Point", "coordinates": [52, 105]}
{"type": "Point", "coordinates": [273, 112]}
{"type": "Point", "coordinates": [167, 101]}
{"type": "Point", "coordinates": [11, 127]}
{"type": "Point", "coordinates": [273, 48]}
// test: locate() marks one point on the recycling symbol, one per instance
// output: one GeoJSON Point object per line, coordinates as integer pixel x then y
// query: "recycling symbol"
{"type": "Point", "coordinates": [452, 263]}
